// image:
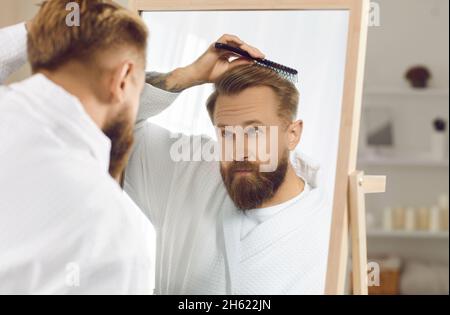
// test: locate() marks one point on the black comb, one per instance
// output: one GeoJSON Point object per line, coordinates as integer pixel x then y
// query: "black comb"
{"type": "Point", "coordinates": [285, 72]}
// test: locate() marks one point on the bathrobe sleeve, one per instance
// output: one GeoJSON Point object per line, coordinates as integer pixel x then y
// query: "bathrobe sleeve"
{"type": "Point", "coordinates": [151, 170]}
{"type": "Point", "coordinates": [153, 101]}
{"type": "Point", "coordinates": [13, 49]}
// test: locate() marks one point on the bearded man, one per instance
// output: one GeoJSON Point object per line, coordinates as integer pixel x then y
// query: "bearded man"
{"type": "Point", "coordinates": [244, 224]}
{"type": "Point", "coordinates": [66, 226]}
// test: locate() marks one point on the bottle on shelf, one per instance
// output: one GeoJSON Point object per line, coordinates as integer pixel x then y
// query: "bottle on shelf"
{"type": "Point", "coordinates": [444, 212]}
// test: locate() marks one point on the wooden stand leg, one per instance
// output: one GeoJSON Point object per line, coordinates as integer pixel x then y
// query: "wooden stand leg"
{"type": "Point", "coordinates": [359, 185]}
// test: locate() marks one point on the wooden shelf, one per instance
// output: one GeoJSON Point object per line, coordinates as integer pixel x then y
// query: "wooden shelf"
{"type": "Point", "coordinates": [408, 235]}
{"type": "Point", "coordinates": [407, 162]}
{"type": "Point", "coordinates": [407, 92]}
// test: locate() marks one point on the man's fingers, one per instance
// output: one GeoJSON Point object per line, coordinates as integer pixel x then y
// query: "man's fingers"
{"type": "Point", "coordinates": [227, 55]}
{"type": "Point", "coordinates": [241, 61]}
{"type": "Point", "coordinates": [237, 42]}
{"type": "Point", "coordinates": [230, 39]}
{"type": "Point", "coordinates": [254, 52]}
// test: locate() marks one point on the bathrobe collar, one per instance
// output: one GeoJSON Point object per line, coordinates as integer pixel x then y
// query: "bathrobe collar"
{"type": "Point", "coordinates": [64, 113]}
{"type": "Point", "coordinates": [237, 251]}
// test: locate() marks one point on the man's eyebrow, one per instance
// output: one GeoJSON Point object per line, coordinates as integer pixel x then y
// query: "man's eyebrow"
{"type": "Point", "coordinates": [246, 123]}
{"type": "Point", "coordinates": [253, 122]}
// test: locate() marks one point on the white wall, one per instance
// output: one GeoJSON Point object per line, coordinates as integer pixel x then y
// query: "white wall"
{"type": "Point", "coordinates": [412, 32]}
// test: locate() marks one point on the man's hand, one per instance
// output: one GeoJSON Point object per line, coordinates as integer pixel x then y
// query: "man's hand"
{"type": "Point", "coordinates": [206, 69]}
{"type": "Point", "coordinates": [215, 62]}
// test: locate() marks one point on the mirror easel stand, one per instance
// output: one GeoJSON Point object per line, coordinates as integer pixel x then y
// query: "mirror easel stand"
{"type": "Point", "coordinates": [359, 186]}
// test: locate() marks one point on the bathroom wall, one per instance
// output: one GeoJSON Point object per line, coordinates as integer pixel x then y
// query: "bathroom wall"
{"type": "Point", "coordinates": [411, 32]}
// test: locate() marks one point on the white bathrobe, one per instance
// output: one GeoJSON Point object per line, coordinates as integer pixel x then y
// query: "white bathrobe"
{"type": "Point", "coordinates": [201, 247]}
{"type": "Point", "coordinates": [66, 227]}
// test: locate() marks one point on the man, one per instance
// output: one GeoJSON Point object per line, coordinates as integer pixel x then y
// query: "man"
{"type": "Point", "coordinates": [230, 227]}
{"type": "Point", "coordinates": [65, 225]}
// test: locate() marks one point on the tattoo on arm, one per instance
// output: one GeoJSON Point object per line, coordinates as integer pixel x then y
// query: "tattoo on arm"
{"type": "Point", "coordinates": [160, 80]}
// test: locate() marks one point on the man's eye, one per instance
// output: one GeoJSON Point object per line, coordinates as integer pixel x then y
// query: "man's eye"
{"type": "Point", "coordinates": [253, 132]}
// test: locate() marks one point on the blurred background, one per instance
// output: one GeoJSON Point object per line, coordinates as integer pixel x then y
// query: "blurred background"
{"type": "Point", "coordinates": [404, 136]}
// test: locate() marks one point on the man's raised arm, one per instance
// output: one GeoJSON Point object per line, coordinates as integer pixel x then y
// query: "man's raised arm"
{"type": "Point", "coordinates": [13, 49]}
{"type": "Point", "coordinates": [162, 89]}
{"type": "Point", "coordinates": [151, 170]}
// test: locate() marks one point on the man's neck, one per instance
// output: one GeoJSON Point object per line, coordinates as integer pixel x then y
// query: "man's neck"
{"type": "Point", "coordinates": [291, 187]}
{"type": "Point", "coordinates": [67, 79]}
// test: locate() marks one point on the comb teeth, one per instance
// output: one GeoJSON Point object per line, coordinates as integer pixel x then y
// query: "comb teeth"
{"type": "Point", "coordinates": [285, 72]}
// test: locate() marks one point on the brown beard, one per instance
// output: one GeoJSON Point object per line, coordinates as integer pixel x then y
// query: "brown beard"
{"type": "Point", "coordinates": [120, 132]}
{"type": "Point", "coordinates": [251, 191]}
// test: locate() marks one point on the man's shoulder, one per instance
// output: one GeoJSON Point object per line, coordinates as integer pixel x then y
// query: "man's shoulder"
{"type": "Point", "coordinates": [94, 184]}
{"type": "Point", "coordinates": [57, 176]}
{"type": "Point", "coordinates": [8, 95]}
{"type": "Point", "coordinates": [3, 90]}
{"type": "Point", "coordinates": [85, 190]}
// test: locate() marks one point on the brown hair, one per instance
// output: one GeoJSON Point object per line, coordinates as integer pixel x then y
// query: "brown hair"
{"type": "Point", "coordinates": [243, 77]}
{"type": "Point", "coordinates": [103, 25]}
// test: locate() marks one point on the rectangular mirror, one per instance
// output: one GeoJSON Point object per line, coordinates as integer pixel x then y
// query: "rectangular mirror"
{"type": "Point", "coordinates": [325, 42]}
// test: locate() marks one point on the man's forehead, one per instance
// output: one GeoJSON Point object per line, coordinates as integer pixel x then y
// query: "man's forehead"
{"type": "Point", "coordinates": [256, 103]}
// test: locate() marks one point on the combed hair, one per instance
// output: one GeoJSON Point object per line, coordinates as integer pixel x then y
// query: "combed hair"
{"type": "Point", "coordinates": [243, 77]}
{"type": "Point", "coordinates": [104, 25]}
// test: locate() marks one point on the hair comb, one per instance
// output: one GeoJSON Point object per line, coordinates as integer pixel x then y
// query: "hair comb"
{"type": "Point", "coordinates": [285, 72]}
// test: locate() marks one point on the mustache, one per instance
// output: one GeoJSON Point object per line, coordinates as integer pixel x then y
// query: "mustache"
{"type": "Point", "coordinates": [243, 166]}
{"type": "Point", "coordinates": [250, 192]}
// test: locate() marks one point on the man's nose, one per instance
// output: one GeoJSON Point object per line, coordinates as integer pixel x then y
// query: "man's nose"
{"type": "Point", "coordinates": [241, 150]}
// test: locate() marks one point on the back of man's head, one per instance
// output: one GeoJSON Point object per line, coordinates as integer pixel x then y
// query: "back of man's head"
{"type": "Point", "coordinates": [101, 61]}
{"type": "Point", "coordinates": [54, 39]}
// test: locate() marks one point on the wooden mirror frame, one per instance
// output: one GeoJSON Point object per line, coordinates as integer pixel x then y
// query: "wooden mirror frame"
{"type": "Point", "coordinates": [351, 104]}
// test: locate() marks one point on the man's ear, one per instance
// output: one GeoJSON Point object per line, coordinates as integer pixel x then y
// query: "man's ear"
{"type": "Point", "coordinates": [120, 81]}
{"type": "Point", "coordinates": [294, 134]}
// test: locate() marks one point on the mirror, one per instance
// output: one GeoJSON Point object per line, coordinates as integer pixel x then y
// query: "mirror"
{"type": "Point", "coordinates": [206, 244]}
